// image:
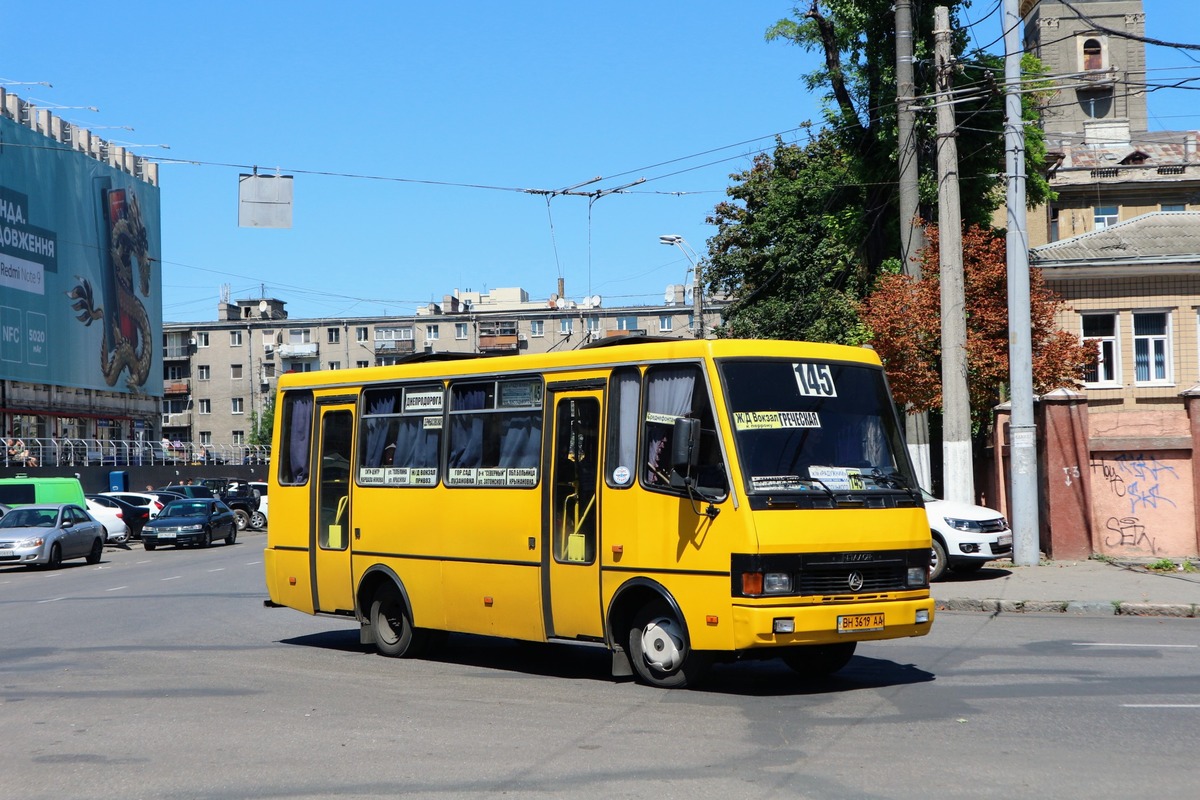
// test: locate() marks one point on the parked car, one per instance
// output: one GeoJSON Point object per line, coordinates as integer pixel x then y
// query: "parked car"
{"type": "Point", "coordinates": [194, 520]}
{"type": "Point", "coordinates": [258, 520]}
{"type": "Point", "coordinates": [134, 516]}
{"type": "Point", "coordinates": [965, 536]}
{"type": "Point", "coordinates": [190, 490]}
{"type": "Point", "coordinates": [146, 500]}
{"type": "Point", "coordinates": [47, 535]}
{"type": "Point", "coordinates": [237, 494]}
{"type": "Point", "coordinates": [115, 527]}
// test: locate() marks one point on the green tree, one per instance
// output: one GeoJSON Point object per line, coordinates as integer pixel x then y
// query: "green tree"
{"type": "Point", "coordinates": [808, 229]}
{"type": "Point", "coordinates": [261, 425]}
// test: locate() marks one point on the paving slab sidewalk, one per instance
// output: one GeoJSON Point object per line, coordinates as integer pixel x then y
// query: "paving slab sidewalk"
{"type": "Point", "coordinates": [1094, 587]}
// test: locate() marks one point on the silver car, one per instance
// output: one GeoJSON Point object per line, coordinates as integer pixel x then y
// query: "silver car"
{"type": "Point", "coordinates": [47, 535]}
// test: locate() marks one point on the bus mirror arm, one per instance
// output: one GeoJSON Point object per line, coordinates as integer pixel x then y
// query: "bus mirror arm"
{"type": "Point", "coordinates": [685, 454]}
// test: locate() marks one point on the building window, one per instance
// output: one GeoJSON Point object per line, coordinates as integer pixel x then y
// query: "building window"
{"type": "Point", "coordinates": [176, 372]}
{"type": "Point", "coordinates": [361, 333]}
{"type": "Point", "coordinates": [1093, 55]}
{"type": "Point", "coordinates": [268, 370]}
{"type": "Point", "coordinates": [664, 323]}
{"type": "Point", "coordinates": [566, 325]}
{"type": "Point", "coordinates": [361, 364]}
{"type": "Point", "coordinates": [627, 323]}
{"type": "Point", "coordinates": [1105, 216]}
{"type": "Point", "coordinates": [393, 334]}
{"type": "Point", "coordinates": [237, 405]}
{"type": "Point", "coordinates": [431, 332]}
{"type": "Point", "coordinates": [1151, 347]}
{"type": "Point", "coordinates": [1172, 207]}
{"type": "Point", "coordinates": [537, 327]}
{"type": "Point", "coordinates": [235, 338]}
{"type": "Point", "coordinates": [203, 372]}
{"type": "Point", "coordinates": [460, 330]}
{"type": "Point", "coordinates": [1102, 329]}
{"type": "Point", "coordinates": [204, 406]}
{"type": "Point", "coordinates": [238, 437]}
{"type": "Point", "coordinates": [206, 437]}
{"type": "Point", "coordinates": [335, 365]}
{"type": "Point", "coordinates": [334, 334]}
{"type": "Point", "coordinates": [593, 324]}
{"type": "Point", "coordinates": [202, 339]}
{"type": "Point", "coordinates": [299, 336]}
{"type": "Point", "coordinates": [235, 371]}
{"type": "Point", "coordinates": [1053, 224]}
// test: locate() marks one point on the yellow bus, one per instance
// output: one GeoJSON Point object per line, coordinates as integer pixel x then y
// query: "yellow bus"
{"type": "Point", "coordinates": [677, 502]}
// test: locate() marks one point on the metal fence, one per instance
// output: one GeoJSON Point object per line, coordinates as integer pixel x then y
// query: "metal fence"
{"type": "Point", "coordinates": [126, 453]}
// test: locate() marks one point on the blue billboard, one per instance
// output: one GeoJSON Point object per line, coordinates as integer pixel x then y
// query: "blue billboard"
{"type": "Point", "coordinates": [80, 269]}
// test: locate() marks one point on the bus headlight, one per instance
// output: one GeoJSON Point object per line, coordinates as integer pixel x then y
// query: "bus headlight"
{"type": "Point", "coordinates": [918, 577]}
{"type": "Point", "coordinates": [777, 583]}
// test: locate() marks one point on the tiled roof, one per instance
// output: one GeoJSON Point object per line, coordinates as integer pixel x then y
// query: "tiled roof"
{"type": "Point", "coordinates": [1155, 148]}
{"type": "Point", "coordinates": [1160, 236]}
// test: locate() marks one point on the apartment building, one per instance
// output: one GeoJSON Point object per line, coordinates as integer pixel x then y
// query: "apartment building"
{"type": "Point", "coordinates": [220, 376]}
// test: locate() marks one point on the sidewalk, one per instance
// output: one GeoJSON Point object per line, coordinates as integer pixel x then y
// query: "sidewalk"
{"type": "Point", "coordinates": [1073, 587]}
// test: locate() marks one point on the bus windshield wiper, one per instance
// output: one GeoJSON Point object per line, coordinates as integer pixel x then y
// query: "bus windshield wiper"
{"type": "Point", "coordinates": [893, 481]}
{"type": "Point", "coordinates": [821, 483]}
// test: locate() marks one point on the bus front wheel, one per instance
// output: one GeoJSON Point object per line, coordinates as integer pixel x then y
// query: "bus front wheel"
{"type": "Point", "coordinates": [659, 649]}
{"type": "Point", "coordinates": [394, 634]}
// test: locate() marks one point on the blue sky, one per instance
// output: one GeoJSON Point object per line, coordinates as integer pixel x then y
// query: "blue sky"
{"type": "Point", "coordinates": [422, 101]}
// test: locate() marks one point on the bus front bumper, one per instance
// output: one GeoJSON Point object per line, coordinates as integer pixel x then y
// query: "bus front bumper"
{"type": "Point", "coordinates": [763, 626]}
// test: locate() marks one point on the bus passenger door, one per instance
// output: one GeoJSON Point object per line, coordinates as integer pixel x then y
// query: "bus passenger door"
{"type": "Point", "coordinates": [570, 560]}
{"type": "Point", "coordinates": [331, 514]}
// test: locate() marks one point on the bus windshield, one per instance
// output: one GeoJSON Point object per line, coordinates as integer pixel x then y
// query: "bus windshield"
{"type": "Point", "coordinates": [824, 425]}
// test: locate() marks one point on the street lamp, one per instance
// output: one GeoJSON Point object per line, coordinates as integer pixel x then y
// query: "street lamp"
{"type": "Point", "coordinates": [697, 294]}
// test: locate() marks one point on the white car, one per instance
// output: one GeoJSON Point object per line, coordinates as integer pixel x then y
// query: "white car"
{"type": "Point", "coordinates": [965, 536]}
{"type": "Point", "coordinates": [258, 520]}
{"type": "Point", "coordinates": [116, 531]}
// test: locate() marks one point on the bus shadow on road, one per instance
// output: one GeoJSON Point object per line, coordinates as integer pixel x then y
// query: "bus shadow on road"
{"type": "Point", "coordinates": [748, 678]}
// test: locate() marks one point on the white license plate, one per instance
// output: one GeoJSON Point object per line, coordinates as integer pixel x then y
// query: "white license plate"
{"type": "Point", "coordinates": [1006, 539]}
{"type": "Point", "coordinates": [852, 623]}
{"type": "Point", "coordinates": [166, 534]}
{"type": "Point", "coordinates": [6, 554]}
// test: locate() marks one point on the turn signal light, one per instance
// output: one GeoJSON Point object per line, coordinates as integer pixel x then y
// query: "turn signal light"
{"type": "Point", "coordinates": [752, 583]}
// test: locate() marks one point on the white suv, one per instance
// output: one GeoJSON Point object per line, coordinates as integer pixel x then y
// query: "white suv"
{"type": "Point", "coordinates": [965, 537]}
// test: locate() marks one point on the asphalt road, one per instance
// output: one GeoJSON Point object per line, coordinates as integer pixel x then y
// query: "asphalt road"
{"type": "Point", "coordinates": [161, 675]}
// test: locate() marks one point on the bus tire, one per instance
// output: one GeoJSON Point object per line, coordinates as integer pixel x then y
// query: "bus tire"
{"type": "Point", "coordinates": [819, 660]}
{"type": "Point", "coordinates": [659, 649]}
{"type": "Point", "coordinates": [394, 633]}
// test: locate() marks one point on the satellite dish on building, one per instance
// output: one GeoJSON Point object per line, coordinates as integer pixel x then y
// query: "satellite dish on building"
{"type": "Point", "coordinates": [595, 303]}
{"type": "Point", "coordinates": [669, 296]}
{"type": "Point", "coordinates": [560, 303]}
{"type": "Point", "coordinates": [262, 307]}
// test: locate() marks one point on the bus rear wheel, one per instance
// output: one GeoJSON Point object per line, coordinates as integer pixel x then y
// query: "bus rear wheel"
{"type": "Point", "coordinates": [393, 628]}
{"type": "Point", "coordinates": [659, 649]}
{"type": "Point", "coordinates": [819, 660]}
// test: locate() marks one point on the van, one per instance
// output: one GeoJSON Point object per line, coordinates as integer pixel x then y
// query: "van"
{"type": "Point", "coordinates": [24, 491]}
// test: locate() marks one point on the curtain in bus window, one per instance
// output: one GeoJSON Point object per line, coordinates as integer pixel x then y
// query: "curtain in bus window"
{"type": "Point", "coordinates": [669, 393]}
{"type": "Point", "coordinates": [466, 430]}
{"type": "Point", "coordinates": [520, 442]}
{"type": "Point", "coordinates": [377, 429]}
{"type": "Point", "coordinates": [299, 433]}
{"type": "Point", "coordinates": [622, 449]}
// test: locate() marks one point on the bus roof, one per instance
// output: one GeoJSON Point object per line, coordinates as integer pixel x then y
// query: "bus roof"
{"type": "Point", "coordinates": [626, 350]}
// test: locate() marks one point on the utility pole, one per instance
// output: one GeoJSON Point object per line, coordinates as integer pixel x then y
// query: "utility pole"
{"type": "Point", "coordinates": [957, 464]}
{"type": "Point", "coordinates": [1022, 428]}
{"type": "Point", "coordinates": [912, 235]}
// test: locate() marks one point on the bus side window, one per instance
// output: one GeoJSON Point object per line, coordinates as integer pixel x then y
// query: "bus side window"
{"type": "Point", "coordinates": [673, 392]}
{"type": "Point", "coordinates": [295, 437]}
{"type": "Point", "coordinates": [620, 458]}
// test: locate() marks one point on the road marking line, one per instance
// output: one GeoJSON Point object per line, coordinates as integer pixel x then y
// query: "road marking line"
{"type": "Point", "coordinates": [1160, 705]}
{"type": "Point", "coordinates": [218, 569]}
{"type": "Point", "coordinates": [173, 578]}
{"type": "Point", "coordinates": [116, 588]}
{"type": "Point", "coordinates": [252, 563]}
{"type": "Point", "coordinates": [1122, 644]}
{"type": "Point", "coordinates": [51, 600]}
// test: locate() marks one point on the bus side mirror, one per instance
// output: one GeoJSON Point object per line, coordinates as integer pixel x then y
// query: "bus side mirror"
{"type": "Point", "coordinates": [685, 449]}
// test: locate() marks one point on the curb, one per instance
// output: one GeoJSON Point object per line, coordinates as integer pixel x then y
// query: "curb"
{"type": "Point", "coordinates": [1076, 607]}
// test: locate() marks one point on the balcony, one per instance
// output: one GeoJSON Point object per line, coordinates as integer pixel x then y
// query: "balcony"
{"type": "Point", "coordinates": [305, 350]}
{"type": "Point", "coordinates": [176, 386]}
{"type": "Point", "coordinates": [498, 343]}
{"type": "Point", "coordinates": [397, 346]}
{"type": "Point", "coordinates": [174, 352]}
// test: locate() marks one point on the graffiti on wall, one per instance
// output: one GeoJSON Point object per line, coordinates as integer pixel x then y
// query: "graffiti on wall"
{"type": "Point", "coordinates": [1140, 496]}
